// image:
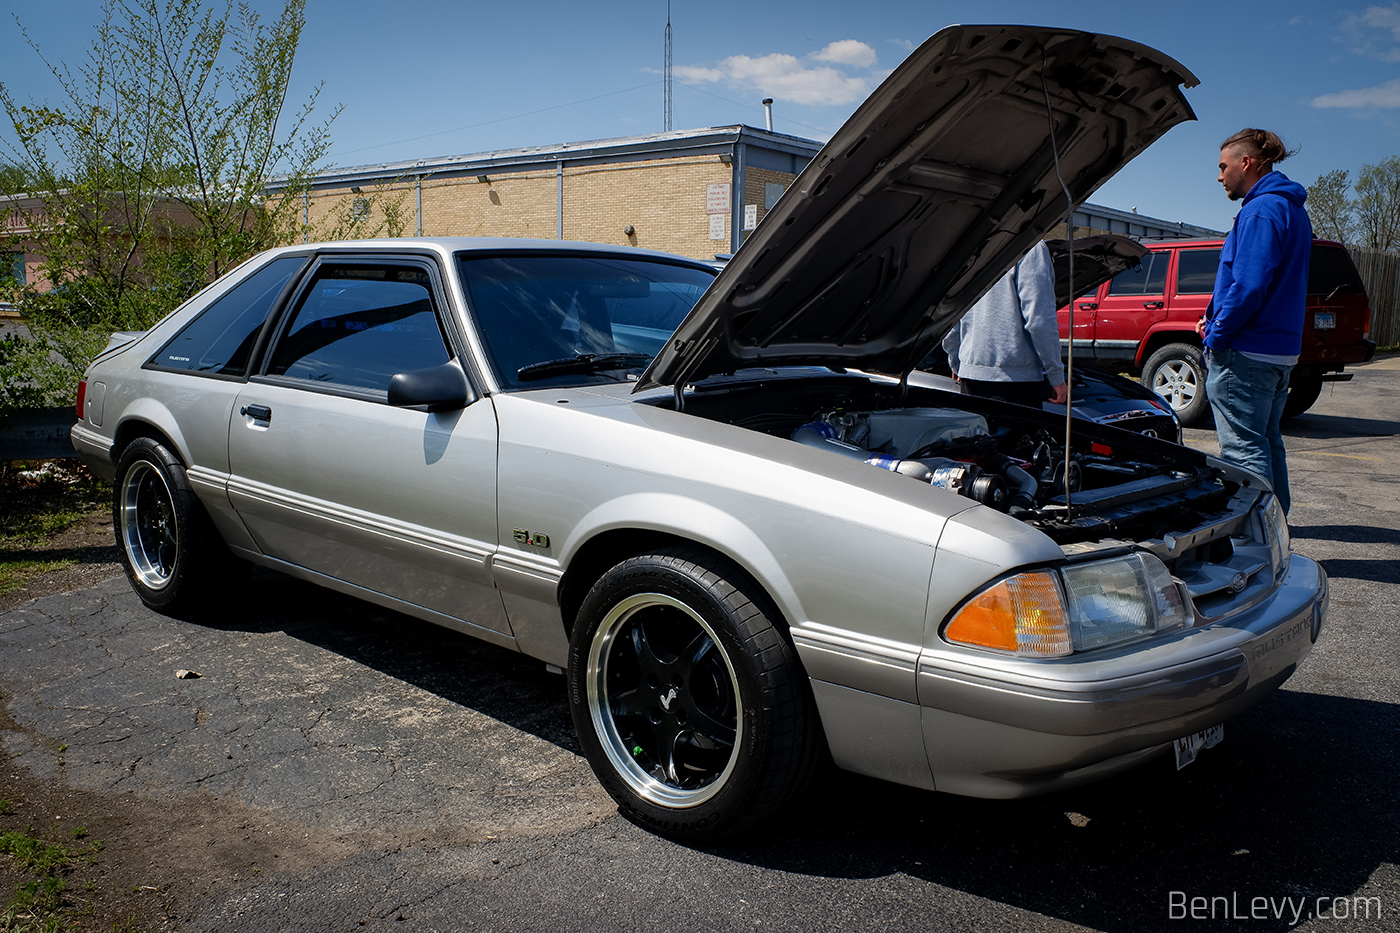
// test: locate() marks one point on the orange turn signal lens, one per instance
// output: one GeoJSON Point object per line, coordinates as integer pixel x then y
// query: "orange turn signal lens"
{"type": "Point", "coordinates": [1023, 614]}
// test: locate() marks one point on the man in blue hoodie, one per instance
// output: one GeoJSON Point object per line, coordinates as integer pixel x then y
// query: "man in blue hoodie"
{"type": "Point", "coordinates": [1253, 330]}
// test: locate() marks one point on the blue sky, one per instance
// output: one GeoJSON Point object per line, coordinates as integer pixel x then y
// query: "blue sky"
{"type": "Point", "coordinates": [421, 78]}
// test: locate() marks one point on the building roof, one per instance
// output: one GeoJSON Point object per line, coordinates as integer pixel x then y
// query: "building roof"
{"type": "Point", "coordinates": [713, 140]}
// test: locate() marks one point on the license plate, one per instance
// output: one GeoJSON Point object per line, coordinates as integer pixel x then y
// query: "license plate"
{"type": "Point", "coordinates": [1324, 320]}
{"type": "Point", "coordinates": [1189, 746]}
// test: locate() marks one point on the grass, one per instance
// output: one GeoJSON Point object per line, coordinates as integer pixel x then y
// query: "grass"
{"type": "Point", "coordinates": [38, 904]}
{"type": "Point", "coordinates": [38, 501]}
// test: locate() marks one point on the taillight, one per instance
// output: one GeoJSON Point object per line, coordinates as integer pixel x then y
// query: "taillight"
{"type": "Point", "coordinates": [82, 397]}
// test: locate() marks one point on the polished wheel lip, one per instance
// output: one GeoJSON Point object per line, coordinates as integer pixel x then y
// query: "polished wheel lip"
{"type": "Point", "coordinates": [149, 534]}
{"type": "Point", "coordinates": [640, 781]}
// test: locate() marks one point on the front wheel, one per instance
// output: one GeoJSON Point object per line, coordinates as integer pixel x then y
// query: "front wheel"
{"type": "Point", "coordinates": [689, 704]}
{"type": "Point", "coordinates": [168, 545]}
{"type": "Point", "coordinates": [1177, 372]}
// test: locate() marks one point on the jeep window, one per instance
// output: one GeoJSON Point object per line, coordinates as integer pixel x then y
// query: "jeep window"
{"type": "Point", "coordinates": [1333, 272]}
{"type": "Point", "coordinates": [220, 340]}
{"type": "Point", "coordinates": [1195, 271]}
{"type": "Point", "coordinates": [1150, 278]}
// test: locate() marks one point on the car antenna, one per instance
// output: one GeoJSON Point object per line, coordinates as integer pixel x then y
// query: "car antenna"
{"type": "Point", "coordinates": [1069, 244]}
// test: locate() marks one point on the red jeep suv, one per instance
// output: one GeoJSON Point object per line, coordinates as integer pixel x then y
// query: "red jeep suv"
{"type": "Point", "coordinates": [1144, 321]}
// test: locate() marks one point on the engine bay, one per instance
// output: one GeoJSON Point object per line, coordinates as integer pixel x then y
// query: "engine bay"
{"type": "Point", "coordinates": [1110, 483]}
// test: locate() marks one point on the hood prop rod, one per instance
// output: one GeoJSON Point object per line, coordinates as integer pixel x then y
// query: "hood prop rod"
{"type": "Point", "coordinates": [1069, 243]}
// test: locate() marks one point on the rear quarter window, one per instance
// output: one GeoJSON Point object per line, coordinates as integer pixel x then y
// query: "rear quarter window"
{"type": "Point", "coordinates": [220, 340]}
{"type": "Point", "coordinates": [1195, 271]}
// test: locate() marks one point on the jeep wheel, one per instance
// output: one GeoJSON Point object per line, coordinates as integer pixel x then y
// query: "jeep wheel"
{"type": "Point", "coordinates": [1302, 393]}
{"type": "Point", "coordinates": [1177, 372]}
{"type": "Point", "coordinates": [689, 704]}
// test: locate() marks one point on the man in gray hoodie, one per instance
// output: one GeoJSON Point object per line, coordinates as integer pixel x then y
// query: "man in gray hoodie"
{"type": "Point", "coordinates": [1009, 343]}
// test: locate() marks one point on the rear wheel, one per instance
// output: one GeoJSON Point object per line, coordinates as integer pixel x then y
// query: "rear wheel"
{"type": "Point", "coordinates": [1177, 372]}
{"type": "Point", "coordinates": [689, 704]}
{"type": "Point", "coordinates": [1302, 394]}
{"type": "Point", "coordinates": [168, 546]}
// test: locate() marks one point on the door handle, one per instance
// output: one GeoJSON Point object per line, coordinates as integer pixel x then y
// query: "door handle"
{"type": "Point", "coordinates": [1088, 306]}
{"type": "Point", "coordinates": [1153, 304]}
{"type": "Point", "coordinates": [257, 412]}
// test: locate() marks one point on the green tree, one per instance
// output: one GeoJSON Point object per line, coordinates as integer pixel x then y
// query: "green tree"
{"type": "Point", "coordinates": [151, 170]}
{"type": "Point", "coordinates": [13, 179]}
{"type": "Point", "coordinates": [1378, 204]}
{"type": "Point", "coordinates": [1330, 207]}
{"type": "Point", "coordinates": [1371, 218]}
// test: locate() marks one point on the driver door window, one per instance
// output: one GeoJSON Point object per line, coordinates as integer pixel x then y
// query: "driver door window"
{"type": "Point", "coordinates": [358, 325]}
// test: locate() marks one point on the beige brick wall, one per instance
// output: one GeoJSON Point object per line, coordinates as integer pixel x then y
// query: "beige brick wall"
{"type": "Point", "coordinates": [663, 200]}
{"type": "Point", "coordinates": [754, 181]}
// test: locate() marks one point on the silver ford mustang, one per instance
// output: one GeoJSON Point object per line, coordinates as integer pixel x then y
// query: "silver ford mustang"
{"type": "Point", "coordinates": [716, 500]}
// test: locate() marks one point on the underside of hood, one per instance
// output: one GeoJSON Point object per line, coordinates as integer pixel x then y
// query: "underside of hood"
{"type": "Point", "coordinates": [928, 194]}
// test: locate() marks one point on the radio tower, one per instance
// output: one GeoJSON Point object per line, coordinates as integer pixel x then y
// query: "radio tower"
{"type": "Point", "coordinates": [667, 74]}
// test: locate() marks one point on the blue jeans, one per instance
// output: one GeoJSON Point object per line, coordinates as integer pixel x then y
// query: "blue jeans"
{"type": "Point", "coordinates": [1247, 398]}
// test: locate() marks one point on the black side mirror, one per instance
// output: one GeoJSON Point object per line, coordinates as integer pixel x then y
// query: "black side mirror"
{"type": "Point", "coordinates": [440, 388]}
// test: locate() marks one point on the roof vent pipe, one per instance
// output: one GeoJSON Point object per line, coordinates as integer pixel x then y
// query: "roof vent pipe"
{"type": "Point", "coordinates": [768, 112]}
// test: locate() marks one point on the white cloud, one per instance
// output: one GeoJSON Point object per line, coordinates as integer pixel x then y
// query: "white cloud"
{"type": "Point", "coordinates": [1384, 95]}
{"type": "Point", "coordinates": [696, 73]}
{"type": "Point", "coordinates": [788, 78]}
{"type": "Point", "coordinates": [904, 44]}
{"type": "Point", "coordinates": [848, 52]}
{"type": "Point", "coordinates": [1375, 32]}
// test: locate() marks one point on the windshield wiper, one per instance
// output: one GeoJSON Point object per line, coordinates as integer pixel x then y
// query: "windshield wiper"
{"type": "Point", "coordinates": [583, 363]}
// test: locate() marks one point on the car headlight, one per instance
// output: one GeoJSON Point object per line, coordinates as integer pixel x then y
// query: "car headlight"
{"type": "Point", "coordinates": [1080, 607]}
{"type": "Point", "coordinates": [1276, 535]}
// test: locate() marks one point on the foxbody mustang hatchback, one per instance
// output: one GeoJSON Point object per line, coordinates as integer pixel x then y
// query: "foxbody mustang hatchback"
{"type": "Point", "coordinates": [715, 499]}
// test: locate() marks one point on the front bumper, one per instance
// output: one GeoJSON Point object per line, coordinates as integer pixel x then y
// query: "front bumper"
{"type": "Point", "coordinates": [1019, 727]}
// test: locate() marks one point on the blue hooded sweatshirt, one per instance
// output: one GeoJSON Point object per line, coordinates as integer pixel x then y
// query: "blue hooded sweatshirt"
{"type": "Point", "coordinates": [1262, 285]}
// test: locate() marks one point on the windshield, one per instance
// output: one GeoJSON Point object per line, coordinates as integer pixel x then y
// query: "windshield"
{"type": "Point", "coordinates": [615, 313]}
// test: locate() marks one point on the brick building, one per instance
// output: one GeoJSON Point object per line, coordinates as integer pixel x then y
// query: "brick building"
{"type": "Point", "coordinates": [679, 192]}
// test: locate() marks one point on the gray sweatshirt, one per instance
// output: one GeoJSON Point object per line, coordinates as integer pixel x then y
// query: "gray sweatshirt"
{"type": "Point", "coordinates": [1011, 334]}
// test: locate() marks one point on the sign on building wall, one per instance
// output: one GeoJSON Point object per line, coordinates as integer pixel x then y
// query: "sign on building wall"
{"type": "Point", "coordinates": [717, 198]}
{"type": "Point", "coordinates": [717, 226]}
{"type": "Point", "coordinates": [750, 216]}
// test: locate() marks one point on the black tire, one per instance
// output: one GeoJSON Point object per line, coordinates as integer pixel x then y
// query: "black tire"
{"type": "Point", "coordinates": [1302, 394]}
{"type": "Point", "coordinates": [168, 545]}
{"type": "Point", "coordinates": [689, 704]}
{"type": "Point", "coordinates": [1177, 372]}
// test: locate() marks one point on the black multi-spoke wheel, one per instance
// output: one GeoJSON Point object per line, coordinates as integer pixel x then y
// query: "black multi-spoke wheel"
{"type": "Point", "coordinates": [166, 542]}
{"type": "Point", "coordinates": [689, 704]}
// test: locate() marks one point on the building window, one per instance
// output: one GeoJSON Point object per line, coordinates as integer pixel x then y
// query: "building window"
{"type": "Point", "coordinates": [15, 268]}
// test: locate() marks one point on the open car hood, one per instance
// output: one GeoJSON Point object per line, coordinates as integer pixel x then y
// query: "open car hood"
{"type": "Point", "coordinates": [937, 184]}
{"type": "Point", "coordinates": [1096, 260]}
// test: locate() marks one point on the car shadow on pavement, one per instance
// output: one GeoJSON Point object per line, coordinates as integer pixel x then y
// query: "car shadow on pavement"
{"type": "Point", "coordinates": [1332, 426]}
{"type": "Point", "coordinates": [497, 682]}
{"type": "Point", "coordinates": [1378, 569]}
{"type": "Point", "coordinates": [1298, 802]}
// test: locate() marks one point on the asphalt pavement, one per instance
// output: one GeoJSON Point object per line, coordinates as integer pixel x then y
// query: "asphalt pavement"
{"type": "Point", "coordinates": [411, 778]}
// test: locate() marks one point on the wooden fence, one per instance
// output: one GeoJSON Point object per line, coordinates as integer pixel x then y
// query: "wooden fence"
{"type": "Point", "coordinates": [1380, 271]}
